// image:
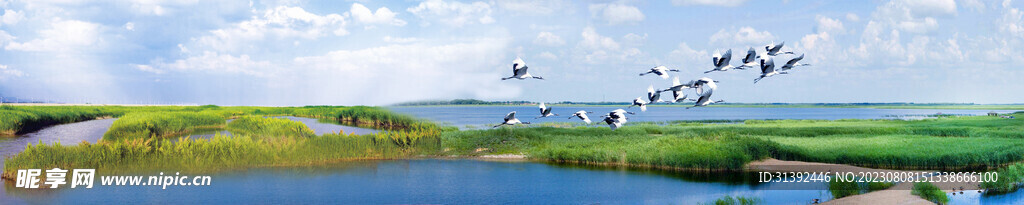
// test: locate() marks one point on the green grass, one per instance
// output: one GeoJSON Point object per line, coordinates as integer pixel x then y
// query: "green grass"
{"type": "Point", "coordinates": [729, 200]}
{"type": "Point", "coordinates": [647, 145]}
{"type": "Point", "coordinates": [954, 143]}
{"type": "Point", "coordinates": [258, 126]}
{"type": "Point", "coordinates": [24, 119]}
{"type": "Point", "coordinates": [131, 144]}
{"type": "Point", "coordinates": [929, 192]}
{"type": "Point", "coordinates": [905, 151]}
{"type": "Point", "coordinates": [840, 189]}
{"type": "Point", "coordinates": [1010, 179]}
{"type": "Point", "coordinates": [947, 143]}
{"type": "Point", "coordinates": [146, 125]}
{"type": "Point", "coordinates": [221, 152]}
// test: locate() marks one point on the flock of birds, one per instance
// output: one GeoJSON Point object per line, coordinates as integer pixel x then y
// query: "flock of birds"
{"type": "Point", "coordinates": [703, 87]}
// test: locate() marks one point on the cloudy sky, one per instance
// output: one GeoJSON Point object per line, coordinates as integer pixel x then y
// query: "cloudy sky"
{"type": "Point", "coordinates": [295, 52]}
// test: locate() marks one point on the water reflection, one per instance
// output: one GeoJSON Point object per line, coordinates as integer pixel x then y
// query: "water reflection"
{"type": "Point", "coordinates": [67, 134]}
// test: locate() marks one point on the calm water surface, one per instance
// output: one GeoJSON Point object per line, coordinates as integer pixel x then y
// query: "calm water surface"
{"type": "Point", "coordinates": [437, 182]}
{"type": "Point", "coordinates": [67, 134]}
{"type": "Point", "coordinates": [319, 126]}
{"type": "Point", "coordinates": [463, 181]}
{"type": "Point", "coordinates": [491, 115]}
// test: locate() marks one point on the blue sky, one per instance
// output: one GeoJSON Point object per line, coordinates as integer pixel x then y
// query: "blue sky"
{"type": "Point", "coordinates": [293, 52]}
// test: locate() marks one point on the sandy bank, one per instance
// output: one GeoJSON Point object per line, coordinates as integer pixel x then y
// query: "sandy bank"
{"type": "Point", "coordinates": [899, 194]}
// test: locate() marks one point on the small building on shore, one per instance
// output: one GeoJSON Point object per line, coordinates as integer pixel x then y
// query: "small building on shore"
{"type": "Point", "coordinates": [993, 114]}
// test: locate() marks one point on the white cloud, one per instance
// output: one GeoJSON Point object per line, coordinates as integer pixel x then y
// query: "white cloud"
{"type": "Point", "coordinates": [63, 35]}
{"type": "Point", "coordinates": [727, 3]}
{"type": "Point", "coordinates": [743, 36]}
{"type": "Point", "coordinates": [212, 62]}
{"type": "Point", "coordinates": [148, 68]}
{"type": "Point", "coordinates": [6, 72]}
{"type": "Point", "coordinates": [533, 7]}
{"type": "Point", "coordinates": [391, 39]}
{"type": "Point", "coordinates": [595, 41]}
{"type": "Point", "coordinates": [548, 39]}
{"type": "Point", "coordinates": [281, 23]}
{"type": "Point", "coordinates": [616, 14]}
{"type": "Point", "coordinates": [158, 7]}
{"type": "Point", "coordinates": [915, 16]}
{"type": "Point", "coordinates": [11, 17]}
{"type": "Point", "coordinates": [1011, 22]}
{"type": "Point", "coordinates": [687, 56]}
{"type": "Point", "coordinates": [852, 17]}
{"type": "Point", "coordinates": [975, 5]}
{"type": "Point", "coordinates": [129, 26]}
{"type": "Point", "coordinates": [453, 13]}
{"type": "Point", "coordinates": [547, 55]}
{"type": "Point", "coordinates": [383, 15]}
{"type": "Point", "coordinates": [597, 49]}
{"type": "Point", "coordinates": [931, 7]}
{"type": "Point", "coordinates": [401, 73]}
{"type": "Point", "coordinates": [5, 37]}
{"type": "Point", "coordinates": [826, 24]}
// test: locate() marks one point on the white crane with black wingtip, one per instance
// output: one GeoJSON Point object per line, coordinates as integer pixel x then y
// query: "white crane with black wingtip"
{"type": "Point", "coordinates": [793, 63]}
{"type": "Point", "coordinates": [705, 88]}
{"type": "Point", "coordinates": [640, 102]}
{"type": "Point", "coordinates": [653, 96]}
{"type": "Point", "coordinates": [677, 90]}
{"type": "Point", "coordinates": [616, 118]}
{"type": "Point", "coordinates": [775, 49]}
{"type": "Point", "coordinates": [721, 61]}
{"type": "Point", "coordinates": [519, 70]}
{"type": "Point", "coordinates": [750, 60]}
{"type": "Point", "coordinates": [582, 115]}
{"type": "Point", "coordinates": [768, 69]}
{"type": "Point", "coordinates": [545, 111]}
{"type": "Point", "coordinates": [661, 71]}
{"type": "Point", "coordinates": [510, 119]}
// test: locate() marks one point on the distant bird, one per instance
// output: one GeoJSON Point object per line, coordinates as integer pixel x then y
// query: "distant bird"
{"type": "Point", "coordinates": [640, 102]}
{"type": "Point", "coordinates": [661, 71]}
{"type": "Point", "coordinates": [653, 96]}
{"type": "Point", "coordinates": [677, 89]}
{"type": "Point", "coordinates": [616, 118]}
{"type": "Point", "coordinates": [774, 49]}
{"type": "Point", "coordinates": [519, 70]}
{"type": "Point", "coordinates": [510, 119]}
{"type": "Point", "coordinates": [793, 63]}
{"type": "Point", "coordinates": [721, 61]}
{"type": "Point", "coordinates": [545, 111]}
{"type": "Point", "coordinates": [768, 69]}
{"type": "Point", "coordinates": [582, 114]}
{"type": "Point", "coordinates": [749, 61]}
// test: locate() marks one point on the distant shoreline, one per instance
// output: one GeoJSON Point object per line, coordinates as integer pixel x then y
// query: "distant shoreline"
{"type": "Point", "coordinates": [880, 106]}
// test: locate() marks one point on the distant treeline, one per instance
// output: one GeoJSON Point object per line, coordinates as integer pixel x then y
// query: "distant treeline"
{"type": "Point", "coordinates": [464, 102]}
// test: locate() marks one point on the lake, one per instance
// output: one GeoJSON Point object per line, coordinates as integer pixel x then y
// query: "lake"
{"type": "Point", "coordinates": [482, 116]}
{"type": "Point", "coordinates": [464, 181]}
{"type": "Point", "coordinates": [436, 181]}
